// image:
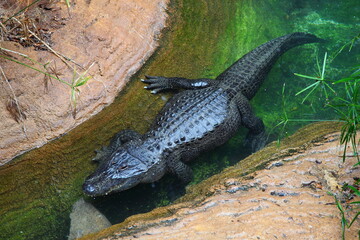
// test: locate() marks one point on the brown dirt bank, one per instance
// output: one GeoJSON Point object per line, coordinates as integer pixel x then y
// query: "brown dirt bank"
{"type": "Point", "coordinates": [276, 193]}
{"type": "Point", "coordinates": [115, 37]}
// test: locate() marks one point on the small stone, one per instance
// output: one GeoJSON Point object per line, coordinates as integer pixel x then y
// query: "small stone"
{"type": "Point", "coordinates": [86, 219]}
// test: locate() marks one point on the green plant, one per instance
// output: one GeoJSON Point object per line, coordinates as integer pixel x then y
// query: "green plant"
{"type": "Point", "coordinates": [78, 79]}
{"type": "Point", "coordinates": [352, 207]}
{"type": "Point", "coordinates": [349, 44]}
{"type": "Point", "coordinates": [347, 107]}
{"type": "Point", "coordinates": [285, 119]}
{"type": "Point", "coordinates": [24, 28]}
{"type": "Point", "coordinates": [320, 81]}
{"type": "Point", "coordinates": [348, 110]}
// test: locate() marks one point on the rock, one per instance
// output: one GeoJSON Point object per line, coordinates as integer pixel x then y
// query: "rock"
{"type": "Point", "coordinates": [289, 200]}
{"type": "Point", "coordinates": [115, 38]}
{"type": "Point", "coordinates": [85, 219]}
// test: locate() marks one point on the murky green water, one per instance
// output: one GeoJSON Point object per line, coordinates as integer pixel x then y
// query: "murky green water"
{"type": "Point", "coordinates": [38, 189]}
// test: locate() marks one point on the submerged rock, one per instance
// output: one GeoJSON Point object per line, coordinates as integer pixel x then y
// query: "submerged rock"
{"type": "Point", "coordinates": [276, 193]}
{"type": "Point", "coordinates": [86, 219]}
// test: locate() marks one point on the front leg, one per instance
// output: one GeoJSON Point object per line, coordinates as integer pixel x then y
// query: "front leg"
{"type": "Point", "coordinates": [256, 137]}
{"type": "Point", "coordinates": [157, 84]}
{"type": "Point", "coordinates": [180, 169]}
{"type": "Point", "coordinates": [117, 140]}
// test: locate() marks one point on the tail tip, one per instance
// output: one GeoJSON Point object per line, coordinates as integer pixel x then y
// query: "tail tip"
{"type": "Point", "coordinates": [309, 36]}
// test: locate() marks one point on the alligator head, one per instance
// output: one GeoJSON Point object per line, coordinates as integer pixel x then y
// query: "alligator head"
{"type": "Point", "coordinates": [121, 171]}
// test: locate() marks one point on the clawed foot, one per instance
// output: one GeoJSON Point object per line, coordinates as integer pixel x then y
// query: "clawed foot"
{"type": "Point", "coordinates": [101, 154]}
{"type": "Point", "coordinates": [156, 84]}
{"type": "Point", "coordinates": [255, 141]}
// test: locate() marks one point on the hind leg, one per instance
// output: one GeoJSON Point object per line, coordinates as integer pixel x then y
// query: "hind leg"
{"type": "Point", "coordinates": [256, 137]}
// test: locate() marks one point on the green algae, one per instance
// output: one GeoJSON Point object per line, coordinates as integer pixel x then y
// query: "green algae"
{"type": "Point", "coordinates": [205, 37]}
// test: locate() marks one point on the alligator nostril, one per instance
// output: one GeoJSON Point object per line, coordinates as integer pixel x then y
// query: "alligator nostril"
{"type": "Point", "coordinates": [88, 188]}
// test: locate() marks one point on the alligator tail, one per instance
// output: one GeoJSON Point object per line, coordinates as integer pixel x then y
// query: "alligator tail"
{"type": "Point", "coordinates": [247, 74]}
{"type": "Point", "coordinates": [300, 38]}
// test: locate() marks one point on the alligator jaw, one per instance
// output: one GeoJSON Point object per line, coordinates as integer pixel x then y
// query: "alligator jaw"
{"type": "Point", "coordinates": [90, 190]}
{"type": "Point", "coordinates": [96, 186]}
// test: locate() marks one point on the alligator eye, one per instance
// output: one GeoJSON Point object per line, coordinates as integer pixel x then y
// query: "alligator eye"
{"type": "Point", "coordinates": [123, 167]}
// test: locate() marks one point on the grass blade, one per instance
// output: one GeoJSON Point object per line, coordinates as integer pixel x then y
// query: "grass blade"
{"type": "Point", "coordinates": [38, 70]}
{"type": "Point", "coordinates": [310, 86]}
{"type": "Point", "coordinates": [312, 90]}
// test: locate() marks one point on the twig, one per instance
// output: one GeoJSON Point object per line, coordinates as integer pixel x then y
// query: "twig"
{"type": "Point", "coordinates": [59, 55]}
{"type": "Point", "coordinates": [21, 11]}
{"type": "Point", "coordinates": [3, 27]}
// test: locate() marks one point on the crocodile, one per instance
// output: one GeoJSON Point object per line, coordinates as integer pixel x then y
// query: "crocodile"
{"type": "Point", "coordinates": [206, 114]}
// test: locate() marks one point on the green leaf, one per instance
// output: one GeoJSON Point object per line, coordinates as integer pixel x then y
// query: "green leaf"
{"type": "Point", "coordinates": [305, 76]}
{"type": "Point", "coordinates": [82, 81]}
{"type": "Point", "coordinates": [356, 73]}
{"type": "Point", "coordinates": [73, 95]}
{"type": "Point", "coordinates": [67, 3]}
{"type": "Point", "coordinates": [356, 191]}
{"type": "Point", "coordinates": [324, 66]}
{"type": "Point", "coordinates": [328, 86]}
{"type": "Point", "coordinates": [312, 90]}
{"type": "Point", "coordinates": [310, 86]}
{"type": "Point", "coordinates": [358, 213]}
{"type": "Point", "coordinates": [348, 79]}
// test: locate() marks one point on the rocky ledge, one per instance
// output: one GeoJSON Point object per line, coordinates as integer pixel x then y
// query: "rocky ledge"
{"type": "Point", "coordinates": [109, 41]}
{"type": "Point", "coordinates": [280, 192]}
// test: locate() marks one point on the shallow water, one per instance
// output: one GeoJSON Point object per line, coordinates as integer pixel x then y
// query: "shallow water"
{"type": "Point", "coordinates": [205, 38]}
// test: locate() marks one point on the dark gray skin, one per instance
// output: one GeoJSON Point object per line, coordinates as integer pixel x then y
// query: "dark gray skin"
{"type": "Point", "coordinates": [205, 115]}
